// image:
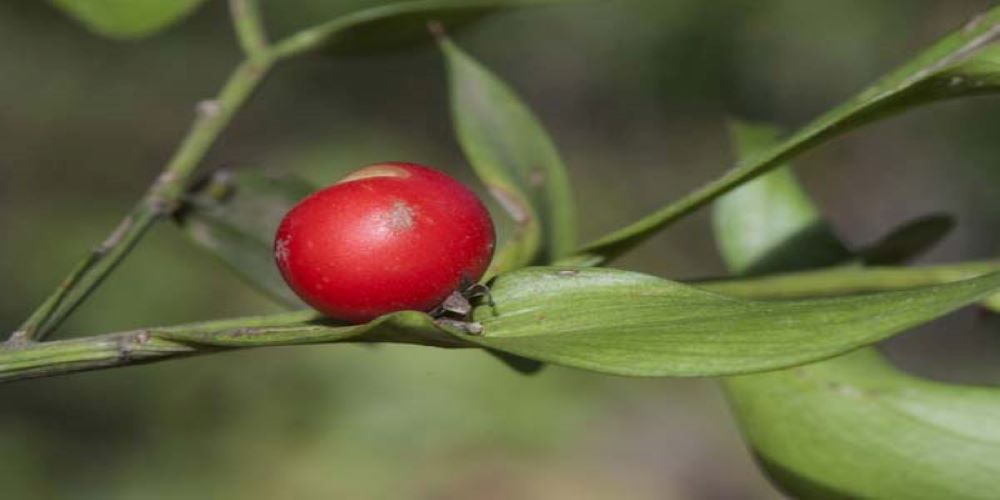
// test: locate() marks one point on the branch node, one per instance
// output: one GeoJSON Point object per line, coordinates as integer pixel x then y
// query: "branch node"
{"type": "Point", "coordinates": [18, 338]}
{"type": "Point", "coordinates": [115, 238]}
{"type": "Point", "coordinates": [127, 344]}
{"type": "Point", "coordinates": [208, 108]}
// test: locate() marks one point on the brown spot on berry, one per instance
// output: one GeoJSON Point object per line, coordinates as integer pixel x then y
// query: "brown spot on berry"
{"type": "Point", "coordinates": [398, 218]}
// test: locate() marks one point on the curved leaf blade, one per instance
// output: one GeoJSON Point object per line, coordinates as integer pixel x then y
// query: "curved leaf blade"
{"type": "Point", "coordinates": [965, 63]}
{"type": "Point", "coordinates": [513, 155]}
{"type": "Point", "coordinates": [854, 426]}
{"type": "Point", "coordinates": [127, 19]}
{"type": "Point", "coordinates": [628, 323]}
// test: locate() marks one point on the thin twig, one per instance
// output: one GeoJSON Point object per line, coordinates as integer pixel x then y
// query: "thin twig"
{"type": "Point", "coordinates": [46, 359]}
{"type": "Point", "coordinates": [160, 199]}
{"type": "Point", "coordinates": [872, 103]}
{"type": "Point", "coordinates": [163, 196]}
{"type": "Point", "coordinates": [249, 28]}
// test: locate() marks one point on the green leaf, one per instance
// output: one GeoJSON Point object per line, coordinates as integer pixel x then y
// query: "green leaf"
{"type": "Point", "coordinates": [854, 426]}
{"type": "Point", "coordinates": [965, 63]}
{"type": "Point", "coordinates": [235, 215]}
{"type": "Point", "coordinates": [127, 19]}
{"type": "Point", "coordinates": [514, 156]}
{"type": "Point", "coordinates": [364, 26]}
{"type": "Point", "coordinates": [627, 323]}
{"type": "Point", "coordinates": [909, 240]}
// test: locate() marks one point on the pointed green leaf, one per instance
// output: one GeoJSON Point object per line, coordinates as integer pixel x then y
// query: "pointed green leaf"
{"type": "Point", "coordinates": [854, 426]}
{"type": "Point", "coordinates": [361, 26]}
{"type": "Point", "coordinates": [127, 19]}
{"type": "Point", "coordinates": [628, 323]}
{"type": "Point", "coordinates": [235, 215]}
{"type": "Point", "coordinates": [965, 63]}
{"type": "Point", "coordinates": [514, 156]}
{"type": "Point", "coordinates": [909, 240]}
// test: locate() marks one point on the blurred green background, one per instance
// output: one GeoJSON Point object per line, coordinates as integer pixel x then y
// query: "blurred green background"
{"type": "Point", "coordinates": [635, 92]}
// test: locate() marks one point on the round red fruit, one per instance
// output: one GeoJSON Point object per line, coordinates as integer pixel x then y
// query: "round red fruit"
{"type": "Point", "coordinates": [386, 238]}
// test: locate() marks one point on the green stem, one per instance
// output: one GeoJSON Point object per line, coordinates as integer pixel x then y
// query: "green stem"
{"type": "Point", "coordinates": [915, 83]}
{"type": "Point", "coordinates": [46, 359]}
{"type": "Point", "coordinates": [164, 195]}
{"type": "Point", "coordinates": [249, 28]}
{"type": "Point", "coordinates": [161, 199]}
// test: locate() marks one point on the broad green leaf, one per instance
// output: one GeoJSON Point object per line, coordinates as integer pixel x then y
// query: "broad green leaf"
{"type": "Point", "coordinates": [857, 427]}
{"type": "Point", "coordinates": [235, 215]}
{"type": "Point", "coordinates": [514, 156]}
{"type": "Point", "coordinates": [854, 426]}
{"type": "Point", "coordinates": [627, 323]}
{"type": "Point", "coordinates": [965, 63]}
{"type": "Point", "coordinates": [366, 25]}
{"type": "Point", "coordinates": [908, 241]}
{"type": "Point", "coordinates": [127, 19]}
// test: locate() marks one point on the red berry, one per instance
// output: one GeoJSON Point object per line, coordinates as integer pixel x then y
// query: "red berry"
{"type": "Point", "coordinates": [388, 237]}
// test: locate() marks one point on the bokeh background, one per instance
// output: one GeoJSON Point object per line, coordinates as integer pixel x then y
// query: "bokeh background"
{"type": "Point", "coordinates": [635, 93]}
